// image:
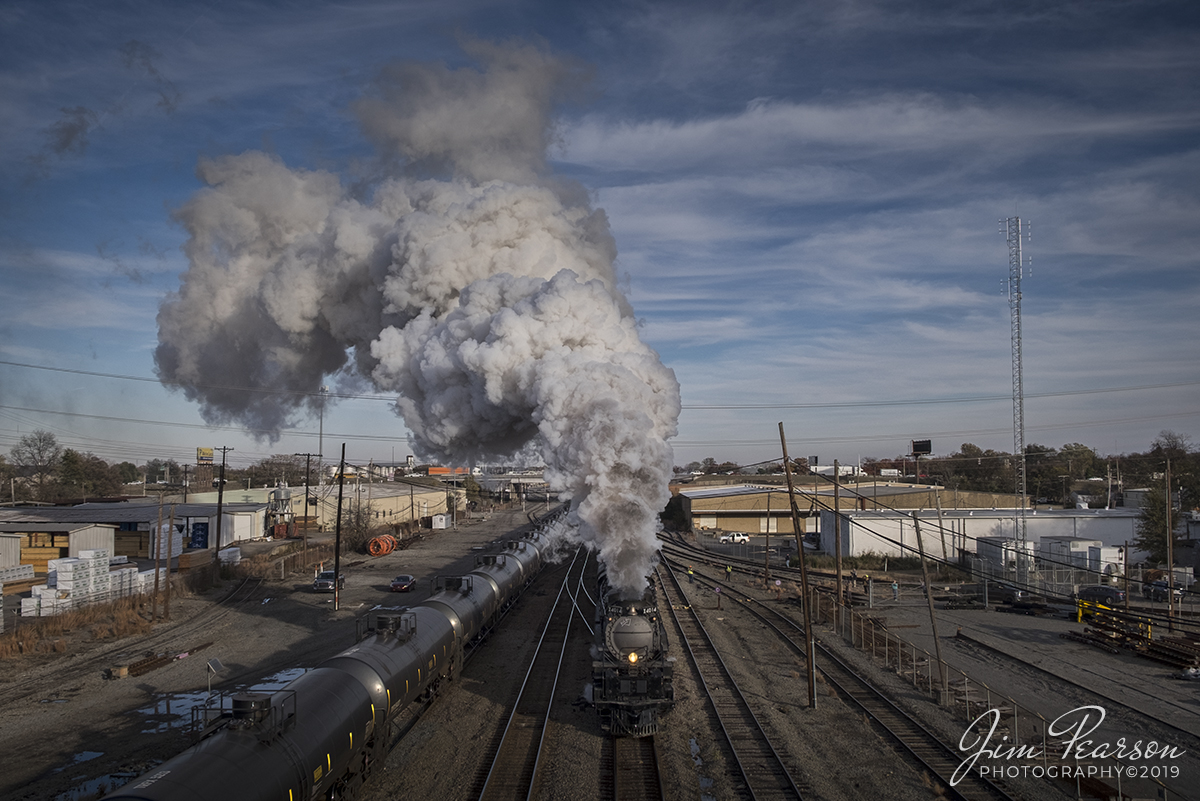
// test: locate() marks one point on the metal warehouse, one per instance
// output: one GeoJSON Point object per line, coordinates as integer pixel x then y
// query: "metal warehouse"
{"type": "Point", "coordinates": [763, 508]}
{"type": "Point", "coordinates": [893, 533]}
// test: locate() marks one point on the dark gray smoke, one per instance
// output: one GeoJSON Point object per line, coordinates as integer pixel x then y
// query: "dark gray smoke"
{"type": "Point", "coordinates": [485, 298]}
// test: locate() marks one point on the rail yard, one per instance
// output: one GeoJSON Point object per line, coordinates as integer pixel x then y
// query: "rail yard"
{"type": "Point", "coordinates": [518, 719]}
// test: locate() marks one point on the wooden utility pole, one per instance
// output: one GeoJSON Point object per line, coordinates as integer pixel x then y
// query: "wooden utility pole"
{"type": "Point", "coordinates": [937, 497]}
{"type": "Point", "coordinates": [170, 549]}
{"type": "Point", "coordinates": [937, 644]}
{"type": "Point", "coordinates": [767, 550]}
{"type": "Point", "coordinates": [809, 649]}
{"type": "Point", "coordinates": [156, 540]}
{"type": "Point", "coordinates": [337, 537]}
{"type": "Point", "coordinates": [216, 564]}
{"type": "Point", "coordinates": [837, 540]}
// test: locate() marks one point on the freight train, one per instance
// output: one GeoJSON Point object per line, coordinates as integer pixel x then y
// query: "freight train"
{"type": "Point", "coordinates": [631, 669]}
{"type": "Point", "coordinates": [322, 735]}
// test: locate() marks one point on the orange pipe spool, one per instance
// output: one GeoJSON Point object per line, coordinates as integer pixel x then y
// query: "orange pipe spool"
{"type": "Point", "coordinates": [381, 546]}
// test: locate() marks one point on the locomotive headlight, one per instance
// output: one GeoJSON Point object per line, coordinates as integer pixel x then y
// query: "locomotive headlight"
{"type": "Point", "coordinates": [633, 657]}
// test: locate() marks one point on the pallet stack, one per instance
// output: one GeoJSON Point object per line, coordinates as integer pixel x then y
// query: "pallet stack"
{"type": "Point", "coordinates": [76, 582]}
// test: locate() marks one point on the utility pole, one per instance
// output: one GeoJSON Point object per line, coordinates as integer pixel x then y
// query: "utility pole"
{"type": "Point", "coordinates": [937, 643]}
{"type": "Point", "coordinates": [170, 549]}
{"type": "Point", "coordinates": [810, 656]}
{"type": "Point", "coordinates": [186, 482]}
{"type": "Point", "coordinates": [321, 438]}
{"type": "Point", "coordinates": [157, 560]}
{"type": "Point", "coordinates": [220, 516]}
{"type": "Point", "coordinates": [837, 539]}
{"type": "Point", "coordinates": [767, 550]}
{"type": "Point", "coordinates": [337, 537]}
{"type": "Point", "coordinates": [307, 461]}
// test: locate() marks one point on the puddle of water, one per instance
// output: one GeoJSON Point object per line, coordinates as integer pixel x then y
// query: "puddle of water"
{"type": "Point", "coordinates": [80, 758]}
{"type": "Point", "coordinates": [276, 681]}
{"type": "Point", "coordinates": [174, 710]}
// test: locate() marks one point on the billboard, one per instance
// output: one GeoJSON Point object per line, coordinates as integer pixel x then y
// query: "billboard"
{"type": "Point", "coordinates": [204, 455]}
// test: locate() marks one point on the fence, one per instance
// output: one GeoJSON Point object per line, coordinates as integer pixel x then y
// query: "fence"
{"type": "Point", "coordinates": [968, 699]}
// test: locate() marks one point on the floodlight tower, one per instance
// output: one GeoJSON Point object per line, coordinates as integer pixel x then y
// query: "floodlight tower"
{"type": "Point", "coordinates": [1016, 269]}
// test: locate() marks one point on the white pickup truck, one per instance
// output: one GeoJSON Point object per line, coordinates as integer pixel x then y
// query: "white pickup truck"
{"type": "Point", "coordinates": [735, 537]}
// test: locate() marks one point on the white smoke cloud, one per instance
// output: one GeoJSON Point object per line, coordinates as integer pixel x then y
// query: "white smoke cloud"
{"type": "Point", "coordinates": [486, 300]}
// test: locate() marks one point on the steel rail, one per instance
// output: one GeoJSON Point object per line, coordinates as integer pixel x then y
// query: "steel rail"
{"type": "Point", "coordinates": [152, 641]}
{"type": "Point", "coordinates": [923, 745]}
{"type": "Point", "coordinates": [763, 769]}
{"type": "Point", "coordinates": [630, 770]}
{"type": "Point", "coordinates": [514, 769]}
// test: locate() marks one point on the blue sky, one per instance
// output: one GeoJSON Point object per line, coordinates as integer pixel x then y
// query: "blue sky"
{"type": "Point", "coordinates": [804, 198]}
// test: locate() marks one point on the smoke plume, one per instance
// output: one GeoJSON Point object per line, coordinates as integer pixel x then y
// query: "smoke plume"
{"type": "Point", "coordinates": [471, 282]}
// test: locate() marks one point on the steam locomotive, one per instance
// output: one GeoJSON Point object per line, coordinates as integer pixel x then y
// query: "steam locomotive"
{"type": "Point", "coordinates": [631, 670]}
{"type": "Point", "coordinates": [323, 733]}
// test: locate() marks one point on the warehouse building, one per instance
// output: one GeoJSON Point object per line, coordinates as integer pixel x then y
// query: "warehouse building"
{"type": "Point", "coordinates": [762, 508]}
{"type": "Point", "coordinates": [893, 533]}
{"type": "Point", "coordinates": [133, 524]}
{"type": "Point", "coordinates": [389, 502]}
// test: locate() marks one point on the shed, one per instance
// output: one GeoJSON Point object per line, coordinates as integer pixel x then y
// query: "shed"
{"type": "Point", "coordinates": [41, 541]}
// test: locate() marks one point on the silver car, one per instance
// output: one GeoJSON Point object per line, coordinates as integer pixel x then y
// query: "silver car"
{"type": "Point", "coordinates": [324, 581]}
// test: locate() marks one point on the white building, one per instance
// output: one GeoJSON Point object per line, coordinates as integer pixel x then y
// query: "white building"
{"type": "Point", "coordinates": [893, 533]}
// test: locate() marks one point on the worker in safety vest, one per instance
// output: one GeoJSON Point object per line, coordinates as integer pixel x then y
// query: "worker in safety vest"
{"type": "Point", "coordinates": [728, 572]}
{"type": "Point", "coordinates": [690, 579]}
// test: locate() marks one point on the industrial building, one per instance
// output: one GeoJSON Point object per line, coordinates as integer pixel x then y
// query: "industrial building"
{"type": "Point", "coordinates": [69, 529]}
{"type": "Point", "coordinates": [762, 508]}
{"type": "Point", "coordinates": [389, 502]}
{"type": "Point", "coordinates": [893, 532]}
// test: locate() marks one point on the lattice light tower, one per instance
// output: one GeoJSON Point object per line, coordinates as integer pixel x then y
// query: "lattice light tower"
{"type": "Point", "coordinates": [1016, 270]}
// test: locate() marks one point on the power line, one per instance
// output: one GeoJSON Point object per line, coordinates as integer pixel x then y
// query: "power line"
{"type": "Point", "coordinates": [926, 401]}
{"type": "Point", "coordinates": [695, 407]}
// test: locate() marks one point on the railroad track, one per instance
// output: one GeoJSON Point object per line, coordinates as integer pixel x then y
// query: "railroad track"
{"type": "Point", "coordinates": [515, 758]}
{"type": "Point", "coordinates": [173, 637]}
{"type": "Point", "coordinates": [763, 767]}
{"type": "Point", "coordinates": [923, 746]}
{"type": "Point", "coordinates": [629, 769]}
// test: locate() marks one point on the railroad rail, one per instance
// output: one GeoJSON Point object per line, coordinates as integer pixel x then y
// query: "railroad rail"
{"type": "Point", "coordinates": [516, 756]}
{"type": "Point", "coordinates": [925, 747]}
{"type": "Point", "coordinates": [154, 644]}
{"type": "Point", "coordinates": [629, 770]}
{"type": "Point", "coordinates": [763, 767]}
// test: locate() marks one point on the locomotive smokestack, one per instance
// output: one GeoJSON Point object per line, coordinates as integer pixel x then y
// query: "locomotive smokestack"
{"type": "Point", "coordinates": [469, 280]}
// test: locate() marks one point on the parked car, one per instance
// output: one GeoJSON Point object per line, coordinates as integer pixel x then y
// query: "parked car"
{"type": "Point", "coordinates": [403, 583]}
{"type": "Point", "coordinates": [324, 581]}
{"type": "Point", "coordinates": [1157, 590]}
{"type": "Point", "coordinates": [1002, 592]}
{"type": "Point", "coordinates": [1100, 594]}
{"type": "Point", "coordinates": [736, 537]}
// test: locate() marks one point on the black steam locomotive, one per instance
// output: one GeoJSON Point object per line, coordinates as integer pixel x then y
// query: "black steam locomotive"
{"type": "Point", "coordinates": [323, 733]}
{"type": "Point", "coordinates": [631, 671]}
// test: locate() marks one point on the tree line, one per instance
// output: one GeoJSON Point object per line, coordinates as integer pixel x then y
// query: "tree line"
{"type": "Point", "coordinates": [39, 469]}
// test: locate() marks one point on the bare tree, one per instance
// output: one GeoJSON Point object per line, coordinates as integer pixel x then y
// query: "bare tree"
{"type": "Point", "coordinates": [38, 457]}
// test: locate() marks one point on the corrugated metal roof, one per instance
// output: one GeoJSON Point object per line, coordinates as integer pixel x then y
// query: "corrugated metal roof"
{"type": "Point", "coordinates": [848, 491]}
{"type": "Point", "coordinates": [42, 526]}
{"type": "Point", "coordinates": [119, 512]}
